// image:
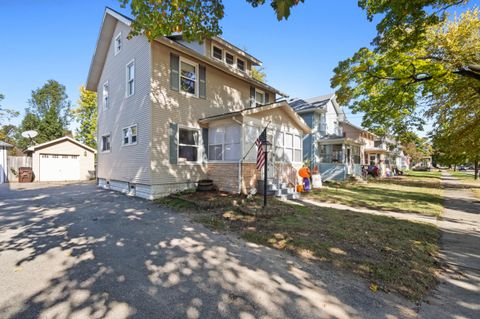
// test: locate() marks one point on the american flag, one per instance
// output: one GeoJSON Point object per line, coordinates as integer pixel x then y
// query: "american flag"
{"type": "Point", "coordinates": [260, 151]}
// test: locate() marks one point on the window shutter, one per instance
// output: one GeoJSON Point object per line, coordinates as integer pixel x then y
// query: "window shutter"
{"type": "Point", "coordinates": [174, 71]}
{"type": "Point", "coordinates": [267, 98]}
{"type": "Point", "coordinates": [203, 82]}
{"type": "Point", "coordinates": [252, 96]}
{"type": "Point", "coordinates": [205, 144]}
{"type": "Point", "coordinates": [173, 143]}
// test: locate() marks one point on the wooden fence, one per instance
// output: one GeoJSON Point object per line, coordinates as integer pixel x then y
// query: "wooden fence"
{"type": "Point", "coordinates": [13, 163]}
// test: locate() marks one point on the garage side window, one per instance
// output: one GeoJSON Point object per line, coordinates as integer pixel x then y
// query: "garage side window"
{"type": "Point", "coordinates": [130, 135]}
{"type": "Point", "coordinates": [106, 143]}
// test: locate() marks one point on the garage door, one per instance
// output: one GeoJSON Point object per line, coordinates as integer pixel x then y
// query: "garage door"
{"type": "Point", "coordinates": [59, 167]}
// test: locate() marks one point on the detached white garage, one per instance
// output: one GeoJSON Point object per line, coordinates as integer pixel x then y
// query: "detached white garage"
{"type": "Point", "coordinates": [63, 159]}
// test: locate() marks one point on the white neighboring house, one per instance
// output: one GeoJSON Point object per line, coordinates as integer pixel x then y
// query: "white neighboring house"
{"type": "Point", "coordinates": [63, 159]}
{"type": "Point", "coordinates": [3, 161]}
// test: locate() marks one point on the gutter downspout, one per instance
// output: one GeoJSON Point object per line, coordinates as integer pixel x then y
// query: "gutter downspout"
{"type": "Point", "coordinates": [240, 162]}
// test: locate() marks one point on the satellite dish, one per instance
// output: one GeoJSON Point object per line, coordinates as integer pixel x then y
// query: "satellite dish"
{"type": "Point", "coordinates": [29, 134]}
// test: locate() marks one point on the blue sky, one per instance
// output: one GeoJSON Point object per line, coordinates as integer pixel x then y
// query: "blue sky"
{"type": "Point", "coordinates": [51, 39]}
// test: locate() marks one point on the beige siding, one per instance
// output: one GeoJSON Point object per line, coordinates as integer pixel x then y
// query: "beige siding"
{"type": "Point", "coordinates": [225, 93]}
{"type": "Point", "coordinates": [126, 163]}
{"type": "Point", "coordinates": [86, 158]}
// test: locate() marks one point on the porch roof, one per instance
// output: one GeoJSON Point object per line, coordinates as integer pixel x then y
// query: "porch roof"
{"type": "Point", "coordinates": [5, 145]}
{"type": "Point", "coordinates": [341, 140]}
{"type": "Point", "coordinates": [376, 150]}
{"type": "Point", "coordinates": [281, 105]}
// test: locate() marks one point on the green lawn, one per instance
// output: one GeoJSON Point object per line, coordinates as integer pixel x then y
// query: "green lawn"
{"type": "Point", "coordinates": [393, 254]}
{"type": "Point", "coordinates": [384, 195]}
{"type": "Point", "coordinates": [464, 176]}
{"type": "Point", "coordinates": [433, 175]}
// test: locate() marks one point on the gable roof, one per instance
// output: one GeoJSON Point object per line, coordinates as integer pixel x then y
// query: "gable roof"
{"type": "Point", "coordinates": [58, 140]}
{"type": "Point", "coordinates": [312, 104]}
{"type": "Point", "coordinates": [358, 128]}
{"type": "Point", "coordinates": [109, 22]}
{"type": "Point", "coordinates": [283, 105]}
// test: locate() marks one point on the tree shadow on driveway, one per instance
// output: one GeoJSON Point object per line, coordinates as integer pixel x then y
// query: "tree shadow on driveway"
{"type": "Point", "coordinates": [79, 251]}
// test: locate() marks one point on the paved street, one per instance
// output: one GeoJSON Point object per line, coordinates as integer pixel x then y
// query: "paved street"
{"type": "Point", "coordinates": [75, 251]}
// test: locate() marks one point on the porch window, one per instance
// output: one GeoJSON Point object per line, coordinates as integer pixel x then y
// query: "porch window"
{"type": "Point", "coordinates": [188, 144]}
{"type": "Point", "coordinates": [288, 147]}
{"type": "Point", "coordinates": [224, 143]}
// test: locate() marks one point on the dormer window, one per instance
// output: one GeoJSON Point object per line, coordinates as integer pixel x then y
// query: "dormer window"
{"type": "Point", "coordinates": [240, 65]}
{"type": "Point", "coordinates": [217, 53]}
{"type": "Point", "coordinates": [118, 43]}
{"type": "Point", "coordinates": [229, 58]}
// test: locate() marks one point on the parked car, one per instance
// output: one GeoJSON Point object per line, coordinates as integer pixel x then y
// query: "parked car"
{"type": "Point", "coordinates": [462, 168]}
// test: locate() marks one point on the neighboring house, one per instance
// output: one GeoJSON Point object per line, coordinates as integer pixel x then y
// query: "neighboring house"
{"type": "Point", "coordinates": [172, 113]}
{"type": "Point", "coordinates": [337, 147]}
{"type": "Point", "coordinates": [3, 162]}
{"type": "Point", "coordinates": [63, 159]}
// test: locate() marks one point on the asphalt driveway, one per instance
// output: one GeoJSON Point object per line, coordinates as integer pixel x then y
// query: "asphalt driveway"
{"type": "Point", "coordinates": [76, 251]}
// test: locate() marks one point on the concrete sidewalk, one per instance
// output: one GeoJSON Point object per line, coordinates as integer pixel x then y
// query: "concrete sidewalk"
{"type": "Point", "coordinates": [458, 292]}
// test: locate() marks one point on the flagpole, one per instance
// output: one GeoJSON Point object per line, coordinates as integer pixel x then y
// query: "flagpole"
{"type": "Point", "coordinates": [265, 177]}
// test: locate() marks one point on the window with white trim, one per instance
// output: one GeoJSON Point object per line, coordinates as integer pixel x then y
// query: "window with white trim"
{"type": "Point", "coordinates": [129, 135]}
{"type": "Point", "coordinates": [188, 145]}
{"type": "Point", "coordinates": [240, 64]}
{"type": "Point", "coordinates": [105, 96]}
{"type": "Point", "coordinates": [188, 77]}
{"type": "Point", "coordinates": [130, 78]}
{"type": "Point", "coordinates": [217, 53]}
{"type": "Point", "coordinates": [106, 143]}
{"type": "Point", "coordinates": [259, 97]}
{"type": "Point", "coordinates": [118, 43]}
{"type": "Point", "coordinates": [224, 143]}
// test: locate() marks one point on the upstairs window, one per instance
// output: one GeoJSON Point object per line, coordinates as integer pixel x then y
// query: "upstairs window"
{"type": "Point", "coordinates": [240, 65]}
{"type": "Point", "coordinates": [188, 144]}
{"type": "Point", "coordinates": [188, 77]}
{"type": "Point", "coordinates": [130, 78]}
{"type": "Point", "coordinates": [217, 53]}
{"type": "Point", "coordinates": [130, 135]}
{"type": "Point", "coordinates": [105, 95]}
{"type": "Point", "coordinates": [118, 43]}
{"type": "Point", "coordinates": [106, 143]}
{"type": "Point", "coordinates": [229, 58]}
{"type": "Point", "coordinates": [259, 97]}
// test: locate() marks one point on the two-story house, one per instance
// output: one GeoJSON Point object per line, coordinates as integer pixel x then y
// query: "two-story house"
{"type": "Point", "coordinates": [171, 113]}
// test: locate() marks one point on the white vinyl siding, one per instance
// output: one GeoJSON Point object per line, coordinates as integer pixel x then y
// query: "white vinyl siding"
{"type": "Point", "coordinates": [122, 163]}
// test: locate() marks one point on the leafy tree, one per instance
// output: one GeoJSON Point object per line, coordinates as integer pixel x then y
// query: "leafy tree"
{"type": "Point", "coordinates": [86, 115]}
{"type": "Point", "coordinates": [259, 74]}
{"type": "Point", "coordinates": [394, 86]}
{"type": "Point", "coordinates": [30, 122]}
{"type": "Point", "coordinates": [196, 20]}
{"type": "Point", "coordinates": [6, 114]}
{"type": "Point", "coordinates": [48, 113]}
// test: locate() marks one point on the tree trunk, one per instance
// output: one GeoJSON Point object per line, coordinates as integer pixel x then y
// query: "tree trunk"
{"type": "Point", "coordinates": [476, 167]}
{"type": "Point", "coordinates": [455, 167]}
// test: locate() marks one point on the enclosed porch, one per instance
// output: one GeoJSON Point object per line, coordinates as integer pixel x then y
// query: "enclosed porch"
{"type": "Point", "coordinates": [339, 158]}
{"type": "Point", "coordinates": [232, 153]}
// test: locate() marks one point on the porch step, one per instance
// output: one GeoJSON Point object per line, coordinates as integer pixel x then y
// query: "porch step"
{"type": "Point", "coordinates": [280, 190]}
